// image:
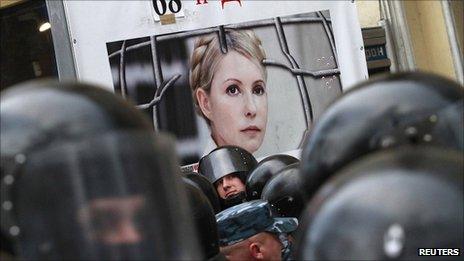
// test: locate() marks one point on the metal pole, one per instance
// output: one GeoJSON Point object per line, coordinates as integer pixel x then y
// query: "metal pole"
{"type": "Point", "coordinates": [122, 71]}
{"type": "Point", "coordinates": [61, 40]}
{"type": "Point", "coordinates": [300, 81]}
{"type": "Point", "coordinates": [158, 77]}
{"type": "Point", "coordinates": [453, 41]}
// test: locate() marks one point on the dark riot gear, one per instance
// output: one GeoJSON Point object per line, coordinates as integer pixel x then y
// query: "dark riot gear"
{"type": "Point", "coordinates": [36, 111]}
{"type": "Point", "coordinates": [387, 205]}
{"type": "Point", "coordinates": [225, 161]}
{"type": "Point", "coordinates": [204, 219]}
{"type": "Point", "coordinates": [236, 199]}
{"type": "Point", "coordinates": [285, 192]}
{"type": "Point", "coordinates": [207, 188]}
{"type": "Point", "coordinates": [39, 112]}
{"type": "Point", "coordinates": [90, 179]}
{"type": "Point", "coordinates": [264, 171]}
{"type": "Point", "coordinates": [406, 108]}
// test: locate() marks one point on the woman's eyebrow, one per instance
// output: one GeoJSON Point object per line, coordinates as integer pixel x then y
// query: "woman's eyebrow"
{"type": "Point", "coordinates": [259, 81]}
{"type": "Point", "coordinates": [233, 79]}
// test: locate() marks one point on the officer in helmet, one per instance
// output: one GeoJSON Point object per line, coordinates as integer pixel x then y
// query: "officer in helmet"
{"type": "Point", "coordinates": [204, 220]}
{"type": "Point", "coordinates": [86, 178]}
{"type": "Point", "coordinates": [38, 112]}
{"type": "Point", "coordinates": [401, 109]}
{"type": "Point", "coordinates": [206, 187]}
{"type": "Point", "coordinates": [285, 192]}
{"type": "Point", "coordinates": [227, 168]}
{"type": "Point", "coordinates": [249, 231]}
{"type": "Point", "coordinates": [266, 169]}
{"type": "Point", "coordinates": [390, 205]}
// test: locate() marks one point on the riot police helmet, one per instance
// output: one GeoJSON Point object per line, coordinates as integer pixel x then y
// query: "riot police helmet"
{"type": "Point", "coordinates": [285, 192]}
{"type": "Point", "coordinates": [33, 111]}
{"type": "Point", "coordinates": [228, 161]}
{"type": "Point", "coordinates": [204, 219]}
{"type": "Point", "coordinates": [405, 108]}
{"type": "Point", "coordinates": [264, 171]}
{"type": "Point", "coordinates": [392, 204]}
{"type": "Point", "coordinates": [91, 178]}
{"type": "Point", "coordinates": [207, 188]}
{"type": "Point", "coordinates": [44, 111]}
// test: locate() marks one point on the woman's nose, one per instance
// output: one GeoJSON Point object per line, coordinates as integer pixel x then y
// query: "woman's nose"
{"type": "Point", "coordinates": [250, 106]}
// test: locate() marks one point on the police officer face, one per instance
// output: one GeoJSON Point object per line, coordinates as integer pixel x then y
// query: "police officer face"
{"type": "Point", "coordinates": [266, 246]}
{"type": "Point", "coordinates": [229, 185]}
{"type": "Point", "coordinates": [237, 103]}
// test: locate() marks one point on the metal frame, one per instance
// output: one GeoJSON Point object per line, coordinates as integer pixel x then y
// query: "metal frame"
{"type": "Point", "coordinates": [397, 31]}
{"type": "Point", "coordinates": [453, 41]}
{"type": "Point", "coordinates": [294, 68]}
{"type": "Point", "coordinates": [65, 63]}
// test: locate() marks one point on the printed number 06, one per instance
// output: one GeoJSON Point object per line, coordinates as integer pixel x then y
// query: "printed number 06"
{"type": "Point", "coordinates": [178, 6]}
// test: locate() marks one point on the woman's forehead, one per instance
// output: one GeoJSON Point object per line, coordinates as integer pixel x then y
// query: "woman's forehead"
{"type": "Point", "coordinates": [239, 67]}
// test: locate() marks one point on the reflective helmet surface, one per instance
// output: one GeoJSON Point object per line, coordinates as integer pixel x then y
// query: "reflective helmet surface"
{"type": "Point", "coordinates": [35, 111]}
{"type": "Point", "coordinates": [227, 160]}
{"type": "Point", "coordinates": [264, 171]}
{"type": "Point", "coordinates": [406, 108]}
{"type": "Point", "coordinates": [89, 179]}
{"type": "Point", "coordinates": [41, 112]}
{"type": "Point", "coordinates": [285, 192]}
{"type": "Point", "coordinates": [207, 188]}
{"type": "Point", "coordinates": [387, 205]}
{"type": "Point", "coordinates": [204, 219]}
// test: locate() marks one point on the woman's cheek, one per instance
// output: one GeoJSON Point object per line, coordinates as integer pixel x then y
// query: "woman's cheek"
{"type": "Point", "coordinates": [227, 121]}
{"type": "Point", "coordinates": [232, 107]}
{"type": "Point", "coordinates": [263, 106]}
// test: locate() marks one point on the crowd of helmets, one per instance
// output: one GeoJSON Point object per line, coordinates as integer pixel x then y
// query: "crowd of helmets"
{"type": "Point", "coordinates": [380, 176]}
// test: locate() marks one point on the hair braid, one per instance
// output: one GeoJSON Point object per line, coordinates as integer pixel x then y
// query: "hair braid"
{"type": "Point", "coordinates": [197, 64]}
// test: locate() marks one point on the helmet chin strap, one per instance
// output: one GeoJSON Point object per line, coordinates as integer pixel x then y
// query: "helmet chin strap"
{"type": "Point", "coordinates": [286, 246]}
{"type": "Point", "coordinates": [233, 200]}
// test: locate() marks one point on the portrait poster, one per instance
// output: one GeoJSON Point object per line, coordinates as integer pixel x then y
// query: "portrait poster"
{"type": "Point", "coordinates": [304, 54]}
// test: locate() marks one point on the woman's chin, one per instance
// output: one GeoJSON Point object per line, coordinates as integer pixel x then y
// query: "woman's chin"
{"type": "Point", "coordinates": [251, 146]}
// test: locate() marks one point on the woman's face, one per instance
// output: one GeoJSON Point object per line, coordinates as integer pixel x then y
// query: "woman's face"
{"type": "Point", "coordinates": [237, 103]}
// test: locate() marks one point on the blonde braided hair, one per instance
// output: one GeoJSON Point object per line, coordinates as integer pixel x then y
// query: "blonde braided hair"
{"type": "Point", "coordinates": [207, 55]}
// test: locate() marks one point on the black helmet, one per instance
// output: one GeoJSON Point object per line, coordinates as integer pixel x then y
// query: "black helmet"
{"type": "Point", "coordinates": [285, 192]}
{"type": "Point", "coordinates": [207, 188]}
{"type": "Point", "coordinates": [34, 111]}
{"type": "Point", "coordinates": [387, 205]}
{"type": "Point", "coordinates": [88, 178]}
{"type": "Point", "coordinates": [264, 171]}
{"type": "Point", "coordinates": [406, 108]}
{"type": "Point", "coordinates": [225, 161]}
{"type": "Point", "coordinates": [204, 219]}
{"type": "Point", "coordinates": [40, 112]}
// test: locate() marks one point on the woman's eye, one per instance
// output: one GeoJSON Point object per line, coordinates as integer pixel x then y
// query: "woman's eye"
{"type": "Point", "coordinates": [259, 90]}
{"type": "Point", "coordinates": [232, 90]}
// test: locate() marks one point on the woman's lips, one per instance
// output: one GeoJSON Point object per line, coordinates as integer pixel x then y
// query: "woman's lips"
{"type": "Point", "coordinates": [251, 129]}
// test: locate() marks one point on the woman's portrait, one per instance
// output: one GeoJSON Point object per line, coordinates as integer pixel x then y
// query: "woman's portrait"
{"type": "Point", "coordinates": [258, 85]}
{"type": "Point", "coordinates": [229, 89]}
